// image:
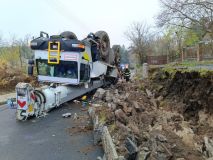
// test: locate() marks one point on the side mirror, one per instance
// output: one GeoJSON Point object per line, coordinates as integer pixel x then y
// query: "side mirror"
{"type": "Point", "coordinates": [44, 33]}
{"type": "Point", "coordinates": [30, 70]}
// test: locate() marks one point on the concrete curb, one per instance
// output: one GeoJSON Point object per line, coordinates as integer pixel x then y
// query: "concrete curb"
{"type": "Point", "coordinates": [4, 98]}
{"type": "Point", "coordinates": [101, 133]}
{"type": "Point", "coordinates": [3, 102]}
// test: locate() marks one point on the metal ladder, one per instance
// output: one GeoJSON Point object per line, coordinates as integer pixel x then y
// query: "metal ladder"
{"type": "Point", "coordinates": [53, 52]}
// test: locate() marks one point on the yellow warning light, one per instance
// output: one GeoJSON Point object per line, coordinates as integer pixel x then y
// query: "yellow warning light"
{"type": "Point", "coordinates": [84, 98]}
{"type": "Point", "coordinates": [81, 46]}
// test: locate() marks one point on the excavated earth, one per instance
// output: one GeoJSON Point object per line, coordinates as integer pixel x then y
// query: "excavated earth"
{"type": "Point", "coordinates": [166, 117]}
{"type": "Point", "coordinates": [10, 76]}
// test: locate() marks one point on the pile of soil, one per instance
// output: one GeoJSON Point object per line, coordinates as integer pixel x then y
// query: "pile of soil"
{"type": "Point", "coordinates": [10, 76]}
{"type": "Point", "coordinates": [168, 117]}
{"type": "Point", "coordinates": [193, 89]}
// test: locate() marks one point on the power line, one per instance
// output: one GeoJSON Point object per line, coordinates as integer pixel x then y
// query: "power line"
{"type": "Point", "coordinates": [57, 6]}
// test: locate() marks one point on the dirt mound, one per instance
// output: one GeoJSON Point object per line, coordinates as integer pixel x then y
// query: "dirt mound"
{"type": "Point", "coordinates": [193, 89]}
{"type": "Point", "coordinates": [135, 113]}
{"type": "Point", "coordinates": [11, 75]}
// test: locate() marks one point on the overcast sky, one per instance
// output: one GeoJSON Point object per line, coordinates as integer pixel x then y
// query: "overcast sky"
{"type": "Point", "coordinates": [21, 17]}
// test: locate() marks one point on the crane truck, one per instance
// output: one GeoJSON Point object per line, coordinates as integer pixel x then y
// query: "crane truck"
{"type": "Point", "coordinates": [70, 67]}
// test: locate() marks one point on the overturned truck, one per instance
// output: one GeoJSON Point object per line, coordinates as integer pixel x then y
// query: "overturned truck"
{"type": "Point", "coordinates": [73, 67]}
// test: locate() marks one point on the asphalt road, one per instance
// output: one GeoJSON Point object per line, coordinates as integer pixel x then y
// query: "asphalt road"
{"type": "Point", "coordinates": [45, 138]}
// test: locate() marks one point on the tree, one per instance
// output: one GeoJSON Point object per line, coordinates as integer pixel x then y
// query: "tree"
{"type": "Point", "coordinates": [191, 38]}
{"type": "Point", "coordinates": [124, 55]}
{"type": "Point", "coordinates": [139, 36]}
{"type": "Point", "coordinates": [25, 50]}
{"type": "Point", "coordinates": [15, 51]}
{"type": "Point", "coordinates": [187, 14]}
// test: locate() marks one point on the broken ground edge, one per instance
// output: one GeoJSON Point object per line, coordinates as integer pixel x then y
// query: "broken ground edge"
{"type": "Point", "coordinates": [101, 133]}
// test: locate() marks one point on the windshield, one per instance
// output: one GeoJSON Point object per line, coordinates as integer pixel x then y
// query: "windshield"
{"type": "Point", "coordinates": [65, 69]}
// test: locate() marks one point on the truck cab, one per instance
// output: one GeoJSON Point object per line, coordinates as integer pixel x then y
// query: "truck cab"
{"type": "Point", "coordinates": [62, 60]}
{"type": "Point", "coordinates": [77, 67]}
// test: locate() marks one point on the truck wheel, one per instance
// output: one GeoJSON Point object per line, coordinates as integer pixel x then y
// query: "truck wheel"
{"type": "Point", "coordinates": [19, 116]}
{"type": "Point", "coordinates": [111, 57]}
{"type": "Point", "coordinates": [117, 52]}
{"type": "Point", "coordinates": [68, 35]}
{"type": "Point", "coordinates": [104, 42]}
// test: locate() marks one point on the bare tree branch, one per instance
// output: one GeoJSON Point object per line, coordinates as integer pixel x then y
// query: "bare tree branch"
{"type": "Point", "coordinates": [187, 13]}
{"type": "Point", "coordinates": [139, 36]}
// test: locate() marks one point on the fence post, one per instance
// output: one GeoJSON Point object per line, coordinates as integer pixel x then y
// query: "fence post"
{"type": "Point", "coordinates": [182, 54]}
{"type": "Point", "coordinates": [199, 51]}
{"type": "Point", "coordinates": [145, 71]}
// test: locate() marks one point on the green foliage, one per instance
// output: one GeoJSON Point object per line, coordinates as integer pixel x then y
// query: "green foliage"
{"type": "Point", "coordinates": [15, 55]}
{"type": "Point", "coordinates": [138, 66]}
{"type": "Point", "coordinates": [191, 37]}
{"type": "Point", "coordinates": [204, 72]}
{"type": "Point", "coordinates": [188, 66]}
{"type": "Point", "coordinates": [26, 52]}
{"type": "Point", "coordinates": [194, 63]}
{"type": "Point", "coordinates": [178, 37]}
{"type": "Point", "coordinates": [102, 116]}
{"type": "Point", "coordinates": [10, 55]}
{"type": "Point", "coordinates": [112, 127]}
{"type": "Point", "coordinates": [170, 70]}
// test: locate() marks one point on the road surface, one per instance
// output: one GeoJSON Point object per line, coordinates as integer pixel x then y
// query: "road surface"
{"type": "Point", "coordinates": [47, 138]}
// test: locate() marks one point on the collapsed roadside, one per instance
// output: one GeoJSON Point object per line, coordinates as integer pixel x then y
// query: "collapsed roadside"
{"type": "Point", "coordinates": [165, 117]}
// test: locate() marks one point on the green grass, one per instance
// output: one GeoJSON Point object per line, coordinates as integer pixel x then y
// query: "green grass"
{"type": "Point", "coordinates": [102, 117]}
{"type": "Point", "coordinates": [191, 63]}
{"type": "Point", "coordinates": [187, 66]}
{"type": "Point", "coordinates": [112, 127]}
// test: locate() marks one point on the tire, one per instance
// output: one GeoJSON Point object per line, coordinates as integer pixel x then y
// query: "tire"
{"type": "Point", "coordinates": [104, 42]}
{"type": "Point", "coordinates": [68, 35]}
{"type": "Point", "coordinates": [111, 57]}
{"type": "Point", "coordinates": [116, 48]}
{"type": "Point", "coordinates": [117, 52]}
{"type": "Point", "coordinates": [19, 116]}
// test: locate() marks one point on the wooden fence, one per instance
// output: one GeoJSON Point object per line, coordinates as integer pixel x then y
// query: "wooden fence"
{"type": "Point", "coordinates": [202, 51]}
{"type": "Point", "coordinates": [157, 60]}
